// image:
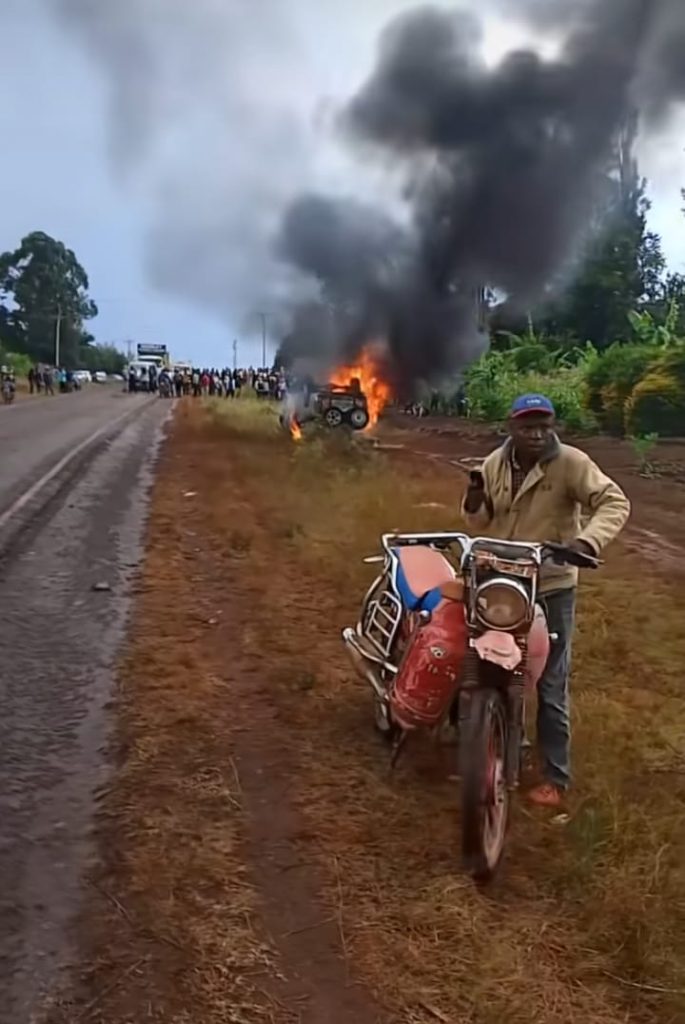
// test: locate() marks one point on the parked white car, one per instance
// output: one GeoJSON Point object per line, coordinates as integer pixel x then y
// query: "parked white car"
{"type": "Point", "coordinates": [100, 377]}
{"type": "Point", "coordinates": [83, 376]}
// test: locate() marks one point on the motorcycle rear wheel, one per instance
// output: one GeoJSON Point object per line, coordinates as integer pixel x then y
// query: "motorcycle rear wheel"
{"type": "Point", "coordinates": [485, 796]}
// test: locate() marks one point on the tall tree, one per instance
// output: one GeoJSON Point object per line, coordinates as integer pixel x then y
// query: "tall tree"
{"type": "Point", "coordinates": [621, 270]}
{"type": "Point", "coordinates": [43, 290]}
{"type": "Point", "coordinates": [621, 266]}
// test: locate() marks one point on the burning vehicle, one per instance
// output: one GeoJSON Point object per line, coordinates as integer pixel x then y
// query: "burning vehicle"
{"type": "Point", "coordinates": [343, 404]}
{"type": "Point", "coordinates": [355, 397]}
{"type": "Point", "coordinates": [336, 405]}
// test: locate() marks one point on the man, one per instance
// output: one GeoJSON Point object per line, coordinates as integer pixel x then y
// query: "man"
{"type": "Point", "coordinates": [534, 488]}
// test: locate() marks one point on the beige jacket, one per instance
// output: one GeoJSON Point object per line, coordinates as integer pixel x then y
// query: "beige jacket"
{"type": "Point", "coordinates": [565, 497]}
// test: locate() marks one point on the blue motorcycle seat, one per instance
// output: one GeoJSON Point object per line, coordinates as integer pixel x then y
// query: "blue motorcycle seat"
{"type": "Point", "coordinates": [426, 602]}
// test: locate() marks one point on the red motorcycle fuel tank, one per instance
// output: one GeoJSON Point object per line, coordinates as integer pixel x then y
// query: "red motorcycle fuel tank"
{"type": "Point", "coordinates": [430, 670]}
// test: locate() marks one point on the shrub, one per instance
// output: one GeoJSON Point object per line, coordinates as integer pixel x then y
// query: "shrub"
{"type": "Point", "coordinates": [611, 379]}
{"type": "Point", "coordinates": [657, 404]}
{"type": "Point", "coordinates": [643, 447]}
{"type": "Point", "coordinates": [494, 382]}
{"type": "Point", "coordinates": [566, 388]}
{"type": "Point", "coordinates": [528, 351]}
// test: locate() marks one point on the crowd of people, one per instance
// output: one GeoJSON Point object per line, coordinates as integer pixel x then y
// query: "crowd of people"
{"type": "Point", "coordinates": [48, 379]}
{"type": "Point", "coordinates": [210, 382]}
{"type": "Point", "coordinates": [42, 380]}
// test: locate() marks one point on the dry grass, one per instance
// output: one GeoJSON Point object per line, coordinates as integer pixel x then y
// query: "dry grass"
{"type": "Point", "coordinates": [588, 921]}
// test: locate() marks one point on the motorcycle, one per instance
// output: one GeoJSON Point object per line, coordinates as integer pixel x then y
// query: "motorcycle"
{"type": "Point", "coordinates": [460, 644]}
{"type": "Point", "coordinates": [9, 389]}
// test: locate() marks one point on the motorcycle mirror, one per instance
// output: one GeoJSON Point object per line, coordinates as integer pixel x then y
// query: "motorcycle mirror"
{"type": "Point", "coordinates": [373, 559]}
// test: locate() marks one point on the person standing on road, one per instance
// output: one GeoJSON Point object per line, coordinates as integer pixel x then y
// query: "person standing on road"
{"type": "Point", "coordinates": [32, 380]}
{"type": "Point", "coordinates": [48, 381]}
{"type": "Point", "coordinates": [534, 488]}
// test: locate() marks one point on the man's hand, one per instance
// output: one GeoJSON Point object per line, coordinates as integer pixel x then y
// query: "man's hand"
{"type": "Point", "coordinates": [475, 495]}
{"type": "Point", "coordinates": [582, 547]}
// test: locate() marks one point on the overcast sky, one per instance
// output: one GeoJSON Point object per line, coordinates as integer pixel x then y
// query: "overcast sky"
{"type": "Point", "coordinates": [244, 126]}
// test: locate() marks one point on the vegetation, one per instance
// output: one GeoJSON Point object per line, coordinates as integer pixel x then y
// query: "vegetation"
{"type": "Point", "coordinates": [610, 349]}
{"type": "Point", "coordinates": [44, 306]}
{"type": "Point", "coordinates": [495, 380]}
{"type": "Point", "coordinates": [635, 388]}
{"type": "Point", "coordinates": [643, 447]}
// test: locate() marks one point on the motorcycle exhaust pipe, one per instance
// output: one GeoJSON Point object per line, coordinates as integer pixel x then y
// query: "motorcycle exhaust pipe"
{"type": "Point", "coordinates": [362, 664]}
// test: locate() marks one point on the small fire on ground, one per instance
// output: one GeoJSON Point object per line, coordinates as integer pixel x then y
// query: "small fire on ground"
{"type": "Point", "coordinates": [368, 371]}
{"type": "Point", "coordinates": [295, 430]}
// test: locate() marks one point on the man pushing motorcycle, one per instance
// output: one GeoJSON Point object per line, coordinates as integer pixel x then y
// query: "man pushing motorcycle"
{"type": "Point", "coordinates": [534, 488]}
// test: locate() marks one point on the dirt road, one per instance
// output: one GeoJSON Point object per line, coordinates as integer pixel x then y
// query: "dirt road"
{"type": "Point", "coordinates": [65, 583]}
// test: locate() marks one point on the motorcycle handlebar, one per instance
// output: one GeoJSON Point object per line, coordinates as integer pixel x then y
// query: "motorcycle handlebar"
{"type": "Point", "coordinates": [562, 554]}
{"type": "Point", "coordinates": [559, 554]}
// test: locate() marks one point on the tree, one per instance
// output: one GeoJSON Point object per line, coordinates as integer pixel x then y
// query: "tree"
{"type": "Point", "coordinates": [621, 266]}
{"type": "Point", "coordinates": [102, 357]}
{"type": "Point", "coordinates": [42, 284]}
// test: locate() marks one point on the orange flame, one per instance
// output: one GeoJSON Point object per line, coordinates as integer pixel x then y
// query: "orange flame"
{"type": "Point", "coordinates": [295, 430]}
{"type": "Point", "coordinates": [368, 372]}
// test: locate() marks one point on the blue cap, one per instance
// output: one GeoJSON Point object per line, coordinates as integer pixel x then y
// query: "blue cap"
{"type": "Point", "coordinates": [525, 404]}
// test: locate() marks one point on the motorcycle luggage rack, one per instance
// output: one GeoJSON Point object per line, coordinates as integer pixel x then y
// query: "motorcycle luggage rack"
{"type": "Point", "coordinates": [382, 621]}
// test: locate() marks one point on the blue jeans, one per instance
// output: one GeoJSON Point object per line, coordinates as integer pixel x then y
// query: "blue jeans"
{"type": "Point", "coordinates": [554, 719]}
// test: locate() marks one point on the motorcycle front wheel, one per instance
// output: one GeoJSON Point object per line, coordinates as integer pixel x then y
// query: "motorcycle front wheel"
{"type": "Point", "coordinates": [485, 796]}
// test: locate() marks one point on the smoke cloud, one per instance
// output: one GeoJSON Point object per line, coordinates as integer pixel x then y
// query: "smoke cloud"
{"type": "Point", "coordinates": [505, 163]}
{"type": "Point", "coordinates": [441, 174]}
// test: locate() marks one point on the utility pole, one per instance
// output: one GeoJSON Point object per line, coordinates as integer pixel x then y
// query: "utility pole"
{"type": "Point", "coordinates": [235, 353]}
{"type": "Point", "coordinates": [58, 335]}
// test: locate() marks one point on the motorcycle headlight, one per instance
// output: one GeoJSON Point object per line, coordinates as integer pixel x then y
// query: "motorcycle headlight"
{"type": "Point", "coordinates": [502, 604]}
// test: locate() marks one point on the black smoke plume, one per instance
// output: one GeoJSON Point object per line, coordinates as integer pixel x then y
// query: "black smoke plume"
{"type": "Point", "coordinates": [504, 166]}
